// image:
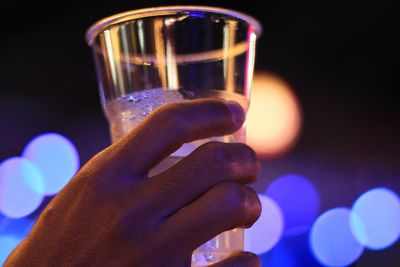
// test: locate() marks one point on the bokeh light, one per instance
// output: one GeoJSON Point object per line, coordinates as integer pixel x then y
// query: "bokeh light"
{"type": "Point", "coordinates": [298, 199]}
{"type": "Point", "coordinates": [21, 187]}
{"type": "Point", "coordinates": [266, 232]}
{"type": "Point", "coordinates": [3, 222]}
{"type": "Point", "coordinates": [375, 218]}
{"type": "Point", "coordinates": [16, 227]}
{"type": "Point", "coordinates": [7, 244]}
{"type": "Point", "coordinates": [274, 117]}
{"type": "Point", "coordinates": [291, 251]}
{"type": "Point", "coordinates": [56, 157]}
{"type": "Point", "coordinates": [332, 241]}
{"type": "Point", "coordinates": [13, 231]}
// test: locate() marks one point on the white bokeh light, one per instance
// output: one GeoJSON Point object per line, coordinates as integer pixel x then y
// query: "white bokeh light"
{"type": "Point", "coordinates": [375, 218]}
{"type": "Point", "coordinates": [56, 157]}
{"type": "Point", "coordinates": [274, 117]}
{"type": "Point", "coordinates": [267, 231]}
{"type": "Point", "coordinates": [332, 241]}
{"type": "Point", "coordinates": [21, 187]}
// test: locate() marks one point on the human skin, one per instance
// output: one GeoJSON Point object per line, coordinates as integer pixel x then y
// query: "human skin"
{"type": "Point", "coordinates": [113, 214]}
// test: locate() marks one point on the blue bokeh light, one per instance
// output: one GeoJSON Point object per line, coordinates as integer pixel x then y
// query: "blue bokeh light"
{"type": "Point", "coordinates": [7, 244]}
{"type": "Point", "coordinates": [56, 157]}
{"type": "Point", "coordinates": [332, 241]}
{"type": "Point", "coordinates": [291, 251]}
{"type": "Point", "coordinates": [16, 227]}
{"type": "Point", "coordinates": [13, 231]}
{"type": "Point", "coordinates": [267, 230]}
{"type": "Point", "coordinates": [3, 222]}
{"type": "Point", "coordinates": [375, 218]}
{"type": "Point", "coordinates": [299, 201]}
{"type": "Point", "coordinates": [21, 187]}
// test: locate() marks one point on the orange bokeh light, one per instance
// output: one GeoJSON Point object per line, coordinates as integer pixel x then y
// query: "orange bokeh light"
{"type": "Point", "coordinates": [274, 117]}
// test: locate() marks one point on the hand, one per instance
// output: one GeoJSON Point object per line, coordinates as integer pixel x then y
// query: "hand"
{"type": "Point", "coordinates": [112, 214]}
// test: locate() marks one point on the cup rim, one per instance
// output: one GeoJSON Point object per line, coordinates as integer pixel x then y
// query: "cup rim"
{"type": "Point", "coordinates": [101, 24]}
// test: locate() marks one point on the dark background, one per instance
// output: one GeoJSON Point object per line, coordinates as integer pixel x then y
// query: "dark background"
{"type": "Point", "coordinates": [338, 56]}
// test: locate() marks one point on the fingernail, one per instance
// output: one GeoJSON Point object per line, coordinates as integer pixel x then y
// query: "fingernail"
{"type": "Point", "coordinates": [237, 112]}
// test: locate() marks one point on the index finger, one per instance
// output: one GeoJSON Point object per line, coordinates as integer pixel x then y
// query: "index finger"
{"type": "Point", "coordinates": [173, 125]}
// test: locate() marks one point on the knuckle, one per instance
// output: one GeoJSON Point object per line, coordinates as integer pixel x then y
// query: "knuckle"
{"type": "Point", "coordinates": [236, 196]}
{"type": "Point", "coordinates": [223, 202]}
{"type": "Point", "coordinates": [247, 152]}
{"type": "Point", "coordinates": [230, 160]}
{"type": "Point", "coordinates": [241, 200]}
{"type": "Point", "coordinates": [256, 208]}
{"type": "Point", "coordinates": [219, 154]}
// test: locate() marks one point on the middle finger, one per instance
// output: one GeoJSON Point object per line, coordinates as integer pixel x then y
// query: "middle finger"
{"type": "Point", "coordinates": [210, 164]}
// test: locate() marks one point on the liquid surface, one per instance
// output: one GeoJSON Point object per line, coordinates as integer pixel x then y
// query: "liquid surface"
{"type": "Point", "coordinates": [127, 112]}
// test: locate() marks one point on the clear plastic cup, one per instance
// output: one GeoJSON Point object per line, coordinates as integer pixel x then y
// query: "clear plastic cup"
{"type": "Point", "coordinates": [149, 57]}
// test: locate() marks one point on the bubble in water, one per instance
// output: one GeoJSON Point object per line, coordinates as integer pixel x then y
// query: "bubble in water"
{"type": "Point", "coordinates": [187, 94]}
{"type": "Point", "coordinates": [130, 110]}
{"type": "Point", "coordinates": [209, 247]}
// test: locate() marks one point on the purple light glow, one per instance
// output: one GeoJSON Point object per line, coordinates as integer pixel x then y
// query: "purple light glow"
{"type": "Point", "coordinates": [375, 218]}
{"type": "Point", "coordinates": [56, 157]}
{"type": "Point", "coordinates": [21, 187]}
{"type": "Point", "coordinates": [8, 243]}
{"type": "Point", "coordinates": [299, 201]}
{"type": "Point", "coordinates": [332, 241]}
{"type": "Point", "coordinates": [267, 231]}
{"type": "Point", "coordinates": [291, 251]}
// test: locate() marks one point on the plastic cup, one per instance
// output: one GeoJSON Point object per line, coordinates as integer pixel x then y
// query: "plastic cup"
{"type": "Point", "coordinates": [149, 57]}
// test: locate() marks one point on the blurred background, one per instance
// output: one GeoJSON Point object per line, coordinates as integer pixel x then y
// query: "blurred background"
{"type": "Point", "coordinates": [324, 117]}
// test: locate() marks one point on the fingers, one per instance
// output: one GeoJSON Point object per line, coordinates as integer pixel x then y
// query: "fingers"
{"type": "Point", "coordinates": [241, 259]}
{"type": "Point", "coordinates": [171, 126]}
{"type": "Point", "coordinates": [210, 164]}
{"type": "Point", "coordinates": [225, 206]}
